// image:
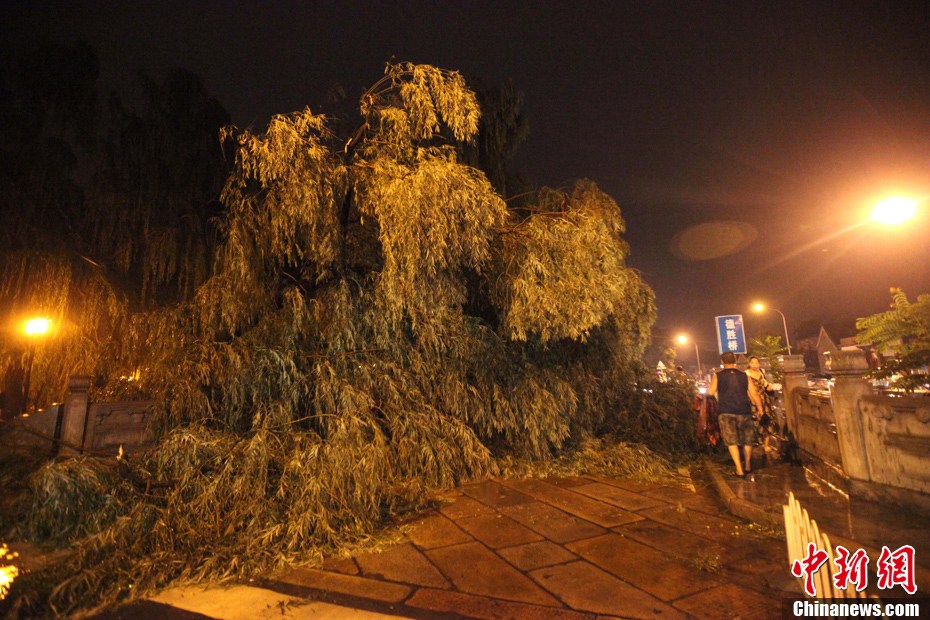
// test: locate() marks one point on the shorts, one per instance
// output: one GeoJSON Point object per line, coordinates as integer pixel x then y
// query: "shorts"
{"type": "Point", "coordinates": [737, 430]}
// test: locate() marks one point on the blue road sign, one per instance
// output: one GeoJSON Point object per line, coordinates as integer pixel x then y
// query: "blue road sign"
{"type": "Point", "coordinates": [730, 336]}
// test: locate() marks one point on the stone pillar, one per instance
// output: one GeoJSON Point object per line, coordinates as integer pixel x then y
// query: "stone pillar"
{"type": "Point", "coordinates": [795, 377]}
{"type": "Point", "coordinates": [850, 385]}
{"type": "Point", "coordinates": [74, 418]}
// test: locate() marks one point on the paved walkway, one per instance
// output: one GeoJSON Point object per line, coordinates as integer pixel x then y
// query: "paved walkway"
{"type": "Point", "coordinates": [569, 548]}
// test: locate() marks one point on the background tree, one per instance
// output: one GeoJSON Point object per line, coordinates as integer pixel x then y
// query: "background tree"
{"type": "Point", "coordinates": [154, 195]}
{"type": "Point", "coordinates": [769, 347]}
{"type": "Point", "coordinates": [104, 213]}
{"type": "Point", "coordinates": [903, 331]}
{"type": "Point", "coordinates": [48, 120]}
{"type": "Point", "coordinates": [502, 128]}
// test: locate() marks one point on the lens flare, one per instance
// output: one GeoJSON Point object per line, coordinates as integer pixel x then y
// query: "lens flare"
{"type": "Point", "coordinates": [712, 240]}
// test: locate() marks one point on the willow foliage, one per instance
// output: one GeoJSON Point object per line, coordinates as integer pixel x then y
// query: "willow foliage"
{"type": "Point", "coordinates": [564, 267]}
{"type": "Point", "coordinates": [377, 324]}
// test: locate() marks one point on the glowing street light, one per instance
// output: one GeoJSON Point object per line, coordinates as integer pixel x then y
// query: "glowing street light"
{"type": "Point", "coordinates": [683, 339]}
{"type": "Point", "coordinates": [35, 328]}
{"type": "Point", "coordinates": [894, 211]}
{"type": "Point", "coordinates": [759, 307]}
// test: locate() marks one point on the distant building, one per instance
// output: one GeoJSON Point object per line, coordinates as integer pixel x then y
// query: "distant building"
{"type": "Point", "coordinates": [816, 350]}
{"type": "Point", "coordinates": [825, 346]}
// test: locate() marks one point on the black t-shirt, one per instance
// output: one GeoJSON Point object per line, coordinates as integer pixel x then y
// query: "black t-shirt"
{"type": "Point", "coordinates": [733, 392]}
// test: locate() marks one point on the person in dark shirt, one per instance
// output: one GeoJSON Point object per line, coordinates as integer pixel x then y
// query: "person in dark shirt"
{"type": "Point", "coordinates": [735, 396]}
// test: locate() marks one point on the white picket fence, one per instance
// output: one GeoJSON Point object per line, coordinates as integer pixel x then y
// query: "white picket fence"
{"type": "Point", "coordinates": [800, 530]}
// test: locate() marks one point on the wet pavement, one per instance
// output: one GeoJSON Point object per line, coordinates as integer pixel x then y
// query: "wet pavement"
{"type": "Point", "coordinates": [849, 521]}
{"type": "Point", "coordinates": [868, 523]}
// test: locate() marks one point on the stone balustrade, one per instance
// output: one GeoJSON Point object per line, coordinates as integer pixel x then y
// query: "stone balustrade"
{"type": "Point", "coordinates": [879, 444]}
{"type": "Point", "coordinates": [81, 427]}
{"type": "Point", "coordinates": [816, 425]}
{"type": "Point", "coordinates": [896, 435]}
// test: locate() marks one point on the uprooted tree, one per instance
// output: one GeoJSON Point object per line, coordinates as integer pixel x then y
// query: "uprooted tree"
{"type": "Point", "coordinates": [378, 323]}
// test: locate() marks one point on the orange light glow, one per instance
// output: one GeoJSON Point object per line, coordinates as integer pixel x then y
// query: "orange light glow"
{"type": "Point", "coordinates": [894, 211]}
{"type": "Point", "coordinates": [7, 572]}
{"type": "Point", "coordinates": [37, 327]}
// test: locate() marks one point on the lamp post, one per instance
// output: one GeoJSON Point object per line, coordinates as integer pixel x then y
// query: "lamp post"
{"type": "Point", "coordinates": [35, 328]}
{"type": "Point", "coordinates": [683, 339]}
{"type": "Point", "coordinates": [762, 308]}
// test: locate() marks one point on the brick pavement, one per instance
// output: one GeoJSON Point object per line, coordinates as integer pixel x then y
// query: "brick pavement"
{"type": "Point", "coordinates": [574, 548]}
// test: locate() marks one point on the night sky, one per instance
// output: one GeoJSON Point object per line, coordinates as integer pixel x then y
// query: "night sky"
{"type": "Point", "coordinates": [742, 141]}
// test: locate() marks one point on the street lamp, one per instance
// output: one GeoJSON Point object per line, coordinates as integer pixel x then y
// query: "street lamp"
{"type": "Point", "coordinates": [894, 210]}
{"type": "Point", "coordinates": [35, 328]}
{"type": "Point", "coordinates": [761, 308]}
{"type": "Point", "coordinates": [683, 339]}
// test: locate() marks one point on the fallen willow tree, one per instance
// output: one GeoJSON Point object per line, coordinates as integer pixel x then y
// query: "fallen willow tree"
{"type": "Point", "coordinates": [378, 324]}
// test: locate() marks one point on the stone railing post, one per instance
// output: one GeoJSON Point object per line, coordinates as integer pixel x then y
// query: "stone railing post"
{"type": "Point", "coordinates": [74, 418]}
{"type": "Point", "coordinates": [795, 377]}
{"type": "Point", "coordinates": [849, 369]}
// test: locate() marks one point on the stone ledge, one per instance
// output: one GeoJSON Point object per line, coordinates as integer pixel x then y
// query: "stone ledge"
{"type": "Point", "coordinates": [361, 587]}
{"type": "Point", "coordinates": [737, 505]}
